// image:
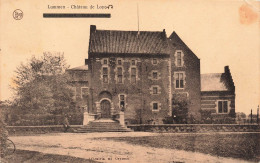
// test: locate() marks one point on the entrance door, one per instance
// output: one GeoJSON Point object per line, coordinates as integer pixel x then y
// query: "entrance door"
{"type": "Point", "coordinates": [105, 109]}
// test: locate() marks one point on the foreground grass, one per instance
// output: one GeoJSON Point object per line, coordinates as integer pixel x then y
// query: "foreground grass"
{"type": "Point", "coordinates": [33, 157]}
{"type": "Point", "coordinates": [243, 146]}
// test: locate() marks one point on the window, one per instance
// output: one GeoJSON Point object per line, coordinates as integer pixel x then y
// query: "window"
{"type": "Point", "coordinates": [179, 62]}
{"type": "Point", "coordinates": [133, 75]}
{"type": "Point", "coordinates": [155, 75]}
{"type": "Point", "coordinates": [105, 61]}
{"type": "Point", "coordinates": [179, 80]}
{"type": "Point", "coordinates": [119, 62]}
{"type": "Point", "coordinates": [105, 74]}
{"type": "Point", "coordinates": [222, 106]}
{"type": "Point", "coordinates": [155, 61]}
{"type": "Point", "coordinates": [84, 92]}
{"type": "Point", "coordinates": [178, 58]}
{"type": "Point", "coordinates": [119, 75]}
{"type": "Point", "coordinates": [155, 90]}
{"type": "Point", "coordinates": [155, 106]}
{"type": "Point", "coordinates": [133, 62]}
{"type": "Point", "coordinates": [122, 102]}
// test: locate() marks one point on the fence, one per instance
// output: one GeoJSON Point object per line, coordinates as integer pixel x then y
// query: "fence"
{"type": "Point", "coordinates": [186, 128]}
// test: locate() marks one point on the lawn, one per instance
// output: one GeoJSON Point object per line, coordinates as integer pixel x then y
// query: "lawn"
{"type": "Point", "coordinates": [33, 157]}
{"type": "Point", "coordinates": [244, 146]}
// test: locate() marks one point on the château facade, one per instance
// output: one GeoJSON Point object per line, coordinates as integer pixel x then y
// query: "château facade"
{"type": "Point", "coordinates": [133, 75]}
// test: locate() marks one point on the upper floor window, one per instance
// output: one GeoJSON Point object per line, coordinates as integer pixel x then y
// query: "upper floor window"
{"type": "Point", "coordinates": [155, 90]}
{"type": "Point", "coordinates": [84, 92]}
{"type": "Point", "coordinates": [155, 75]}
{"type": "Point", "coordinates": [155, 61]}
{"type": "Point", "coordinates": [105, 74]}
{"type": "Point", "coordinates": [119, 75]}
{"type": "Point", "coordinates": [179, 62]}
{"type": "Point", "coordinates": [133, 62]}
{"type": "Point", "coordinates": [179, 79]}
{"type": "Point", "coordinates": [222, 106]}
{"type": "Point", "coordinates": [133, 75]}
{"type": "Point", "coordinates": [105, 61]}
{"type": "Point", "coordinates": [119, 62]}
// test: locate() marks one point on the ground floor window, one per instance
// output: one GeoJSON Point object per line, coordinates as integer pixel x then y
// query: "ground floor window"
{"type": "Point", "coordinates": [222, 106]}
{"type": "Point", "coordinates": [155, 106]}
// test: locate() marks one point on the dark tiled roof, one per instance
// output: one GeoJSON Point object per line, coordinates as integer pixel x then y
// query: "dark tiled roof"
{"type": "Point", "coordinates": [128, 42]}
{"type": "Point", "coordinates": [80, 68]}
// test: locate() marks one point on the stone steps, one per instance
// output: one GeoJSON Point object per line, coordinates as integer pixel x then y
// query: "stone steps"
{"type": "Point", "coordinates": [103, 126]}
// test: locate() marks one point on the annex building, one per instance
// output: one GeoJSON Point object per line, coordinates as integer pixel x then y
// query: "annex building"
{"type": "Point", "coordinates": [133, 77]}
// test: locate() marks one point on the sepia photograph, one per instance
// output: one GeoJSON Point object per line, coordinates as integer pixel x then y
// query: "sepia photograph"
{"type": "Point", "coordinates": [112, 81]}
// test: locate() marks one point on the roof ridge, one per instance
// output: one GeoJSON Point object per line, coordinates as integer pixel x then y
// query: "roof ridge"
{"type": "Point", "coordinates": [106, 30]}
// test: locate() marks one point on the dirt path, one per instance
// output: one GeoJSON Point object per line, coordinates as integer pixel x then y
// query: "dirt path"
{"type": "Point", "coordinates": [83, 146]}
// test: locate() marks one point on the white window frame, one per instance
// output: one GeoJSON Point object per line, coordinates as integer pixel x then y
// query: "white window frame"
{"type": "Point", "coordinates": [175, 78]}
{"type": "Point", "coordinates": [102, 74]}
{"type": "Point", "coordinates": [118, 74]}
{"type": "Point", "coordinates": [136, 73]}
{"type": "Point", "coordinates": [158, 105]}
{"type": "Point", "coordinates": [228, 106]}
{"type": "Point", "coordinates": [158, 89]}
{"type": "Point", "coordinates": [176, 58]}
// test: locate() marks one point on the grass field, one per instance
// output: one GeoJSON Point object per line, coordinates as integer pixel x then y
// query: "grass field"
{"type": "Point", "coordinates": [33, 157]}
{"type": "Point", "coordinates": [245, 146]}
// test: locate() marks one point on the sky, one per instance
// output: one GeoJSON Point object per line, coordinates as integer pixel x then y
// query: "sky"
{"type": "Point", "coordinates": [219, 32]}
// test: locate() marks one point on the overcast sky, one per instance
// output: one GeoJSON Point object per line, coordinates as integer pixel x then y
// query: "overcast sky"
{"type": "Point", "coordinates": [219, 32]}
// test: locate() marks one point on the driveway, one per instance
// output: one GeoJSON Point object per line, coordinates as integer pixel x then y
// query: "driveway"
{"type": "Point", "coordinates": [84, 146]}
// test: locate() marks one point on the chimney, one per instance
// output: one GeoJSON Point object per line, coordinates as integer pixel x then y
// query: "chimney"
{"type": "Point", "coordinates": [93, 28]}
{"type": "Point", "coordinates": [227, 71]}
{"type": "Point", "coordinates": [163, 34]}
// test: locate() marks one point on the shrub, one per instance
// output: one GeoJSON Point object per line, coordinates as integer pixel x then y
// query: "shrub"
{"type": "Point", "coordinates": [3, 137]}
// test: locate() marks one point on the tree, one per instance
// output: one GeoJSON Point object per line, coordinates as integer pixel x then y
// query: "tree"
{"type": "Point", "coordinates": [41, 84]}
{"type": "Point", "coordinates": [180, 103]}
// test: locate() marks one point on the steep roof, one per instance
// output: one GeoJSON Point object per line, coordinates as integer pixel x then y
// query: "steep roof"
{"type": "Point", "coordinates": [212, 82]}
{"type": "Point", "coordinates": [217, 81]}
{"type": "Point", "coordinates": [127, 42]}
{"type": "Point", "coordinates": [175, 39]}
{"type": "Point", "coordinates": [80, 68]}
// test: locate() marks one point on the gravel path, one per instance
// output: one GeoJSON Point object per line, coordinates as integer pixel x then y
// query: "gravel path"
{"type": "Point", "coordinates": [83, 146]}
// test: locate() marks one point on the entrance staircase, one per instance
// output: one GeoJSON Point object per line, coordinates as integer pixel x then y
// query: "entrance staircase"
{"type": "Point", "coordinates": [103, 125]}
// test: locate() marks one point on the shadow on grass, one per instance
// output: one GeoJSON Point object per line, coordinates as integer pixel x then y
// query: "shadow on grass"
{"type": "Point", "coordinates": [243, 146]}
{"type": "Point", "coordinates": [33, 157]}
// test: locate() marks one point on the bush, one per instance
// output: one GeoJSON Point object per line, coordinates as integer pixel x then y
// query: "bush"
{"type": "Point", "coordinates": [3, 137]}
{"type": "Point", "coordinates": [44, 119]}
